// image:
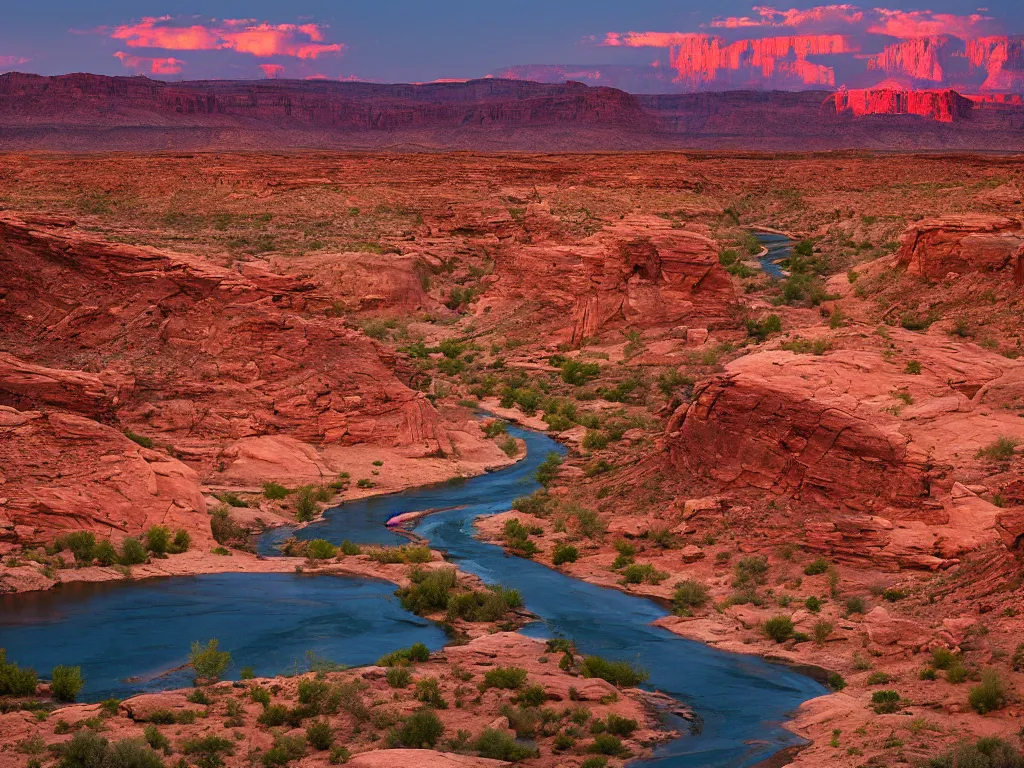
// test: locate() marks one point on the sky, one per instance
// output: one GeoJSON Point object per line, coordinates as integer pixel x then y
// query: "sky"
{"type": "Point", "coordinates": [640, 44]}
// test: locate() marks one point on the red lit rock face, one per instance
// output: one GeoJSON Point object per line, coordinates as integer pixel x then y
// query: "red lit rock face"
{"type": "Point", "coordinates": [922, 58]}
{"type": "Point", "coordinates": [703, 60]}
{"type": "Point", "coordinates": [1002, 59]}
{"type": "Point", "coordinates": [970, 243]}
{"type": "Point", "coordinates": [945, 106]}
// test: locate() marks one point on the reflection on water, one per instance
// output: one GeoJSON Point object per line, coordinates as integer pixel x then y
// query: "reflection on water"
{"type": "Point", "coordinates": [779, 248]}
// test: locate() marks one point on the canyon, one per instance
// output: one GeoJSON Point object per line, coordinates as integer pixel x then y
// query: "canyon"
{"type": "Point", "coordinates": [836, 450]}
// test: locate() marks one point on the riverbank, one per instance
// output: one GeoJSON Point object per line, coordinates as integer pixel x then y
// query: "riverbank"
{"type": "Point", "coordinates": [452, 701]}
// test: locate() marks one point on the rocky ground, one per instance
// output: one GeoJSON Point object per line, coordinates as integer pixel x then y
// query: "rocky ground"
{"type": "Point", "coordinates": [833, 458]}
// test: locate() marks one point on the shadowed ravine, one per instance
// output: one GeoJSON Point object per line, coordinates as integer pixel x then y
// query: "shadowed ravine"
{"type": "Point", "coordinates": [269, 620]}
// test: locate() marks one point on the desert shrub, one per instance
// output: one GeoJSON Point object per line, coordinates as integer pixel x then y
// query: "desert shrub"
{"type": "Point", "coordinates": [14, 680]}
{"type": "Point", "coordinates": [273, 715]}
{"type": "Point", "coordinates": [821, 630]}
{"type": "Point", "coordinates": [856, 604]}
{"type": "Point", "coordinates": [398, 677]}
{"type": "Point", "coordinates": [509, 446]}
{"type": "Point", "coordinates": [494, 428]}
{"type": "Point", "coordinates": [548, 469]}
{"type": "Point", "coordinates": [209, 662]}
{"type": "Point", "coordinates": [606, 744]}
{"type": "Point", "coordinates": [878, 678]}
{"type": "Point", "coordinates": [762, 329]}
{"type": "Point", "coordinates": [339, 755]}
{"type": "Point", "coordinates": [595, 440]}
{"type": "Point", "coordinates": [181, 542]}
{"type": "Point", "coordinates": [913, 367]}
{"type": "Point", "coordinates": [421, 730]}
{"type": "Point", "coordinates": [87, 749]}
{"type": "Point", "coordinates": [1002, 449]}
{"type": "Point", "coordinates": [105, 554]}
{"type": "Point", "coordinates": [132, 552]}
{"type": "Point", "coordinates": [285, 749]}
{"type": "Point", "coordinates": [1017, 660]}
{"type": "Point", "coordinates": [490, 604]}
{"type": "Point", "coordinates": [640, 573]}
{"type": "Point", "coordinates": [578, 373]}
{"type": "Point", "coordinates": [690, 594]}
{"type": "Point", "coordinates": [836, 681]}
{"type": "Point", "coordinates": [816, 568]}
{"type": "Point", "coordinates": [414, 653]}
{"type": "Point", "coordinates": [274, 491]}
{"type": "Point", "coordinates": [956, 673]}
{"type": "Point", "coordinates": [349, 548]}
{"type": "Point", "coordinates": [531, 696]}
{"type": "Point", "coordinates": [988, 752]}
{"type": "Point", "coordinates": [319, 735]}
{"type": "Point", "coordinates": [223, 528]}
{"type": "Point", "coordinates": [885, 702]}
{"type": "Point", "coordinates": [943, 658]}
{"type": "Point", "coordinates": [428, 690]}
{"type": "Point", "coordinates": [751, 571]}
{"type": "Point", "coordinates": [430, 593]}
{"type": "Point", "coordinates": [509, 678]}
{"type": "Point", "coordinates": [915, 322]}
{"type": "Point", "coordinates": [594, 762]}
{"type": "Point", "coordinates": [564, 553]}
{"type": "Point", "coordinates": [320, 549]}
{"type": "Point", "coordinates": [588, 521]}
{"type": "Point", "coordinates": [620, 673]}
{"type": "Point", "coordinates": [620, 726]}
{"type": "Point", "coordinates": [145, 442]}
{"type": "Point", "coordinates": [207, 751]}
{"type": "Point", "coordinates": [990, 694]}
{"type": "Point", "coordinates": [500, 745]}
{"type": "Point", "coordinates": [779, 628]}
{"type": "Point", "coordinates": [305, 504]}
{"type": "Point", "coordinates": [82, 545]}
{"type": "Point", "coordinates": [66, 683]}
{"type": "Point", "coordinates": [158, 539]}
{"type": "Point", "coordinates": [155, 739]}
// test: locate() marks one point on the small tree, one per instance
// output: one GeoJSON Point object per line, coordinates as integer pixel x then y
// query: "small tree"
{"type": "Point", "coordinates": [209, 662]}
{"type": "Point", "coordinates": [779, 628]}
{"type": "Point", "coordinates": [990, 694]}
{"type": "Point", "coordinates": [67, 682]}
{"type": "Point", "coordinates": [132, 552]}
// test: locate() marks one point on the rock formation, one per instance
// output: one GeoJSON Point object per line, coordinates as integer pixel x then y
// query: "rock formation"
{"type": "Point", "coordinates": [944, 106]}
{"type": "Point", "coordinates": [639, 272]}
{"type": "Point", "coordinates": [934, 248]}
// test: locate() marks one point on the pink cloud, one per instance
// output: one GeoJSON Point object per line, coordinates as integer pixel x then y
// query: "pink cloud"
{"type": "Point", "coordinates": [303, 41]}
{"type": "Point", "coordinates": [157, 66]}
{"type": "Point", "coordinates": [11, 61]}
{"type": "Point", "coordinates": [928, 24]}
{"type": "Point", "coordinates": [272, 70]}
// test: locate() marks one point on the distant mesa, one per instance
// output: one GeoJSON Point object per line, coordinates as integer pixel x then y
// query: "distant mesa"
{"type": "Point", "coordinates": [945, 106]}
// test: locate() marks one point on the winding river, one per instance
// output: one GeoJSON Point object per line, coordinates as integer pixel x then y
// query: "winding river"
{"type": "Point", "coordinates": [269, 621]}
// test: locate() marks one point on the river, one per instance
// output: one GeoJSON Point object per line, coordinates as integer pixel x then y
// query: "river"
{"type": "Point", "coordinates": [269, 621]}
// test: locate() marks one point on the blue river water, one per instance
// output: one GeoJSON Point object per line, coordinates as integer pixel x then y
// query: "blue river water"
{"type": "Point", "coordinates": [270, 620]}
{"type": "Point", "coordinates": [779, 248]}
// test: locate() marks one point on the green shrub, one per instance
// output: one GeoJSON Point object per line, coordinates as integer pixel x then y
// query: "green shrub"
{"type": "Point", "coordinates": [319, 735]}
{"type": "Point", "coordinates": [273, 715]}
{"type": "Point", "coordinates": [145, 442]}
{"type": "Point", "coordinates": [398, 677]}
{"type": "Point", "coordinates": [209, 662]}
{"type": "Point", "coordinates": [817, 567]}
{"type": "Point", "coordinates": [836, 681]}
{"type": "Point", "coordinates": [274, 491]}
{"type": "Point", "coordinates": [531, 696]}
{"type": "Point", "coordinates": [158, 540]}
{"type": "Point", "coordinates": [606, 744]}
{"type": "Point", "coordinates": [1002, 449]}
{"type": "Point", "coordinates": [132, 552]}
{"type": "Point", "coordinates": [620, 726]}
{"type": "Point", "coordinates": [82, 545]}
{"type": "Point", "coordinates": [105, 554]}
{"type": "Point", "coordinates": [494, 428]}
{"type": "Point", "coordinates": [207, 751]}
{"type": "Point", "coordinates": [260, 695]}
{"type": "Point", "coordinates": [320, 549]}
{"type": "Point", "coordinates": [349, 548]}
{"type": "Point", "coordinates": [578, 373]}
{"type": "Point", "coordinates": [595, 440]}
{"type": "Point", "coordinates": [690, 594]}
{"type": "Point", "coordinates": [956, 673]}
{"type": "Point", "coordinates": [762, 329]}
{"type": "Point", "coordinates": [428, 690]}
{"type": "Point", "coordinates": [856, 604]}
{"type": "Point", "coordinates": [548, 469]}
{"type": "Point", "coordinates": [431, 593]}
{"type": "Point", "coordinates": [990, 694]}
{"type": "Point", "coordinates": [285, 749]}
{"type": "Point", "coordinates": [156, 740]}
{"type": "Point", "coordinates": [509, 678]}
{"type": "Point", "coordinates": [885, 702]}
{"type": "Point", "coordinates": [821, 630]}
{"type": "Point", "coordinates": [417, 652]}
{"type": "Point", "coordinates": [305, 504]}
{"type": "Point", "coordinates": [87, 749]}
{"type": "Point", "coordinates": [988, 752]}
{"type": "Point", "coordinates": [490, 604]}
{"type": "Point", "coordinates": [640, 573]}
{"type": "Point", "coordinates": [913, 367]}
{"type": "Point", "coordinates": [66, 683]}
{"type": "Point", "coordinates": [1017, 660]}
{"type": "Point", "coordinates": [878, 678]}
{"type": "Point", "coordinates": [181, 543]}
{"type": "Point", "coordinates": [779, 628]}
{"type": "Point", "coordinates": [564, 553]}
{"type": "Point", "coordinates": [15, 681]}
{"type": "Point", "coordinates": [421, 730]}
{"type": "Point", "coordinates": [594, 762]}
{"type": "Point", "coordinates": [231, 498]}
{"type": "Point", "coordinates": [619, 673]}
{"type": "Point", "coordinates": [943, 658]}
{"type": "Point", "coordinates": [750, 571]}
{"type": "Point", "coordinates": [500, 745]}
{"type": "Point", "coordinates": [339, 755]}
